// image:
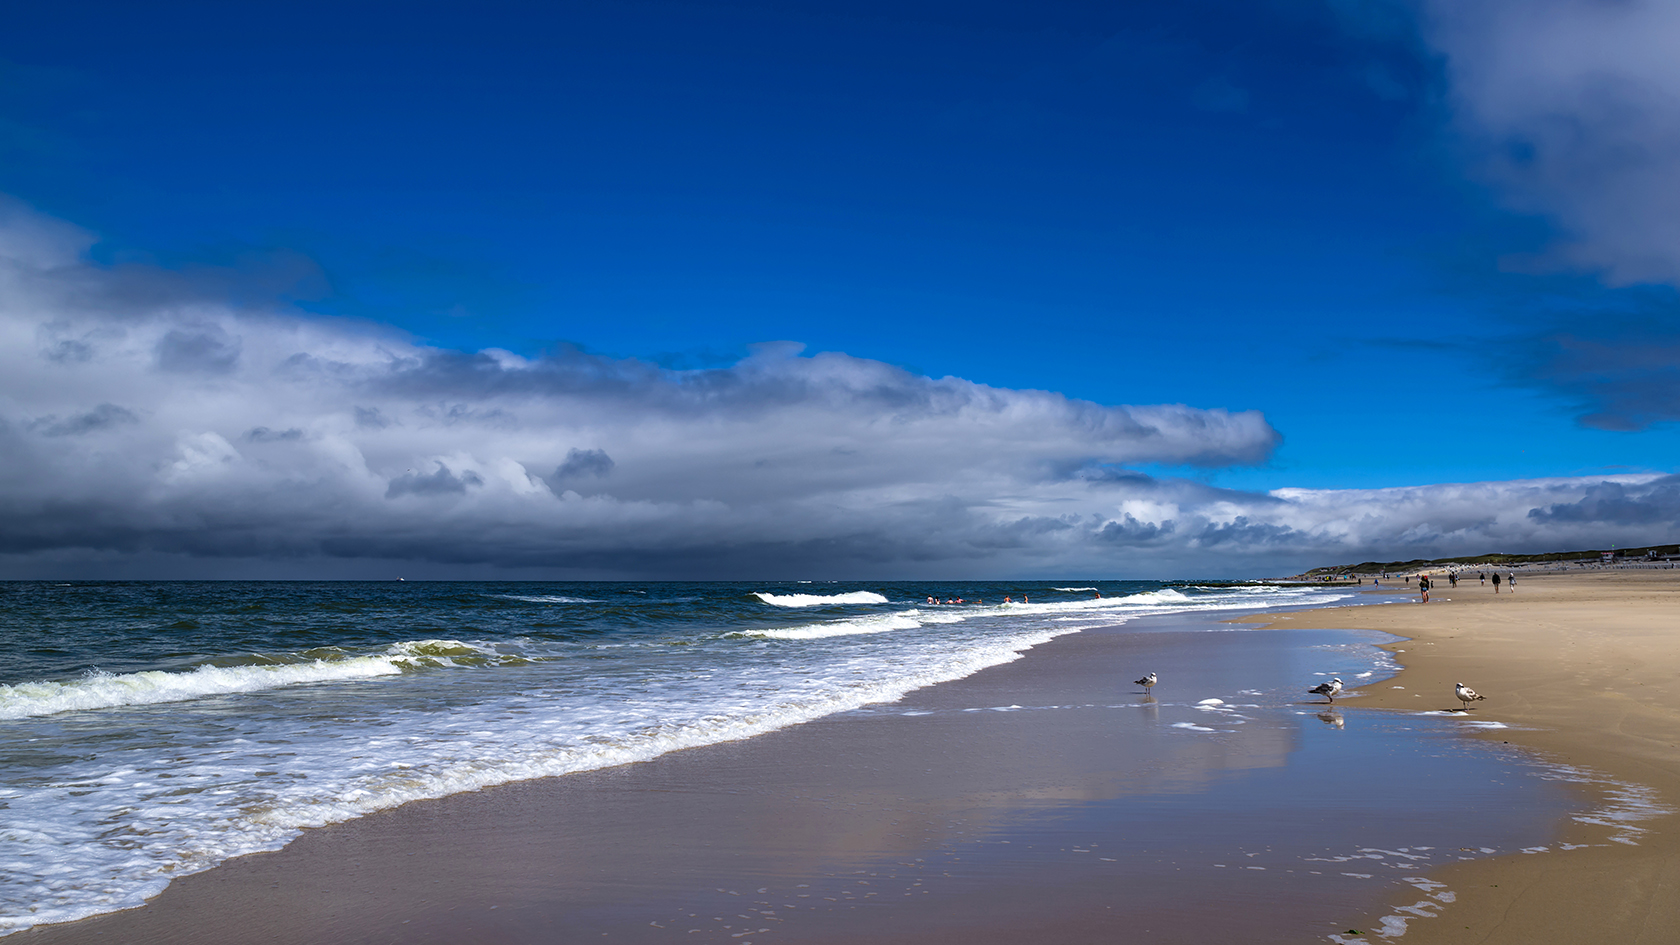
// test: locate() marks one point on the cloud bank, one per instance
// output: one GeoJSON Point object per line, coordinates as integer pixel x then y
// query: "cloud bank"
{"type": "Point", "coordinates": [148, 429]}
{"type": "Point", "coordinates": [1575, 106]}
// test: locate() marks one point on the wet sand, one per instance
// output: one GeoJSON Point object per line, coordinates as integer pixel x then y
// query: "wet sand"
{"type": "Point", "coordinates": [1585, 669]}
{"type": "Point", "coordinates": [1043, 800]}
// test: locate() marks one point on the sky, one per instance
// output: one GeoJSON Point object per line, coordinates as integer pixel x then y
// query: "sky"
{"type": "Point", "coordinates": [825, 290]}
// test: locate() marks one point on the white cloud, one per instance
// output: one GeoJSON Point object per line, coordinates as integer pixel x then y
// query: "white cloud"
{"type": "Point", "coordinates": [1576, 107]}
{"type": "Point", "coordinates": [154, 427]}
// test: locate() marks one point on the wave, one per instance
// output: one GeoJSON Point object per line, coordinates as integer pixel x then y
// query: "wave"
{"type": "Point", "coordinates": [100, 690]}
{"type": "Point", "coordinates": [837, 628]}
{"type": "Point", "coordinates": [819, 600]}
{"type": "Point", "coordinates": [548, 599]}
{"type": "Point", "coordinates": [1071, 590]}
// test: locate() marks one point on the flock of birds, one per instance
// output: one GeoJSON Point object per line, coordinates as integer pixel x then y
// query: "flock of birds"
{"type": "Point", "coordinates": [1329, 690]}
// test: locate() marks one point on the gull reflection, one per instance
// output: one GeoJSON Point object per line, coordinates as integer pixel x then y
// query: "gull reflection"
{"type": "Point", "coordinates": [1332, 718]}
{"type": "Point", "coordinates": [1151, 708]}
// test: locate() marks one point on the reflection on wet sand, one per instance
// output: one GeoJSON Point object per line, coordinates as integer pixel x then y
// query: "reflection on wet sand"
{"type": "Point", "coordinates": [1036, 799]}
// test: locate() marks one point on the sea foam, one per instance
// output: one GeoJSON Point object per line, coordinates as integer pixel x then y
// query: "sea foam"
{"type": "Point", "coordinates": [819, 600]}
{"type": "Point", "coordinates": [101, 690]}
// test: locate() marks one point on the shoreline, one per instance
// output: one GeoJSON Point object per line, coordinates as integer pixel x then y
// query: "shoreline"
{"type": "Point", "coordinates": [1040, 798]}
{"type": "Point", "coordinates": [1582, 670]}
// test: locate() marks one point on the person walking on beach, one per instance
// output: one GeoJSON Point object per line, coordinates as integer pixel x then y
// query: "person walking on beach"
{"type": "Point", "coordinates": [1452, 578]}
{"type": "Point", "coordinates": [1483, 576]}
{"type": "Point", "coordinates": [1511, 579]}
{"type": "Point", "coordinates": [1423, 587]}
{"type": "Point", "coordinates": [1496, 582]}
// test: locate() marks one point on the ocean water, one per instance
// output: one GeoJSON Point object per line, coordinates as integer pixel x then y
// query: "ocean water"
{"type": "Point", "coordinates": [154, 729]}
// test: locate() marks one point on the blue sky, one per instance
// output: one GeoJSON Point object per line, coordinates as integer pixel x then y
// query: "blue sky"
{"type": "Point", "coordinates": [1333, 213]}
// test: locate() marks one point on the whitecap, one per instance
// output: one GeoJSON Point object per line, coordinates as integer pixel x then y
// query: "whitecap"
{"type": "Point", "coordinates": [819, 600]}
{"type": "Point", "coordinates": [98, 690]}
{"type": "Point", "coordinates": [835, 628]}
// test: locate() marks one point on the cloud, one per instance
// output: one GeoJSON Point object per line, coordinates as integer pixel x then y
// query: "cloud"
{"type": "Point", "coordinates": [438, 482]}
{"type": "Point", "coordinates": [581, 464]}
{"type": "Point", "coordinates": [1615, 502]}
{"type": "Point", "coordinates": [1624, 377]}
{"type": "Point", "coordinates": [101, 417]}
{"type": "Point", "coordinates": [1574, 109]}
{"type": "Point", "coordinates": [299, 446]}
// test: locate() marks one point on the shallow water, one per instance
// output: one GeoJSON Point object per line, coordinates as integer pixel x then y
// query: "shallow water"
{"type": "Point", "coordinates": [152, 729]}
{"type": "Point", "coordinates": [1041, 800]}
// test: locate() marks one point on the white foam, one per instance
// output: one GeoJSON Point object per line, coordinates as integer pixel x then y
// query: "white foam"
{"type": "Point", "coordinates": [1072, 590]}
{"type": "Point", "coordinates": [819, 600]}
{"type": "Point", "coordinates": [99, 690]}
{"type": "Point", "coordinates": [550, 599]}
{"type": "Point", "coordinates": [244, 790]}
{"type": "Point", "coordinates": [837, 628]}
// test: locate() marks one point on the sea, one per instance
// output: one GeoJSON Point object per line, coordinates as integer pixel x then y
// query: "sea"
{"type": "Point", "coordinates": [149, 730]}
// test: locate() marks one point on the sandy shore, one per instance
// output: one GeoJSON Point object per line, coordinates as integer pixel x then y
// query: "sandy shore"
{"type": "Point", "coordinates": [1045, 800]}
{"type": "Point", "coordinates": [1585, 669]}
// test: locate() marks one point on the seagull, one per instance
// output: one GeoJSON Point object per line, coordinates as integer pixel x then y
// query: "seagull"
{"type": "Point", "coordinates": [1466, 695]}
{"type": "Point", "coordinates": [1148, 682]}
{"type": "Point", "coordinates": [1327, 689]}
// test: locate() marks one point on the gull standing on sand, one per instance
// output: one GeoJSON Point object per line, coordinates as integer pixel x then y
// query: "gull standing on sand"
{"type": "Point", "coordinates": [1148, 683]}
{"type": "Point", "coordinates": [1327, 689]}
{"type": "Point", "coordinates": [1465, 695]}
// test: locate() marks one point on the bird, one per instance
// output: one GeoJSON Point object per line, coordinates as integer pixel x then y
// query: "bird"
{"type": "Point", "coordinates": [1148, 682]}
{"type": "Point", "coordinates": [1466, 695]}
{"type": "Point", "coordinates": [1327, 689]}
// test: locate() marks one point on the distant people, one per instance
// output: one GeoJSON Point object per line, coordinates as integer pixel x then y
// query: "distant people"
{"type": "Point", "coordinates": [1452, 578]}
{"type": "Point", "coordinates": [1511, 579]}
{"type": "Point", "coordinates": [1483, 576]}
{"type": "Point", "coordinates": [1423, 587]}
{"type": "Point", "coordinates": [1496, 582]}
{"type": "Point", "coordinates": [1007, 600]}
{"type": "Point", "coordinates": [1099, 595]}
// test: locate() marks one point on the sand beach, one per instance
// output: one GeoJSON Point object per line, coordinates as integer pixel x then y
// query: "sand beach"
{"type": "Point", "coordinates": [1585, 670]}
{"type": "Point", "coordinates": [1048, 799]}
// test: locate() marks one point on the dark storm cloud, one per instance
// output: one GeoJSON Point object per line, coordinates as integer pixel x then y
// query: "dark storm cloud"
{"type": "Point", "coordinates": [101, 417]}
{"type": "Point", "coordinates": [439, 481]}
{"type": "Point", "coordinates": [1655, 503]}
{"type": "Point", "coordinates": [584, 464]}
{"type": "Point", "coordinates": [265, 435]}
{"type": "Point", "coordinates": [206, 350]}
{"type": "Point", "coordinates": [258, 436]}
